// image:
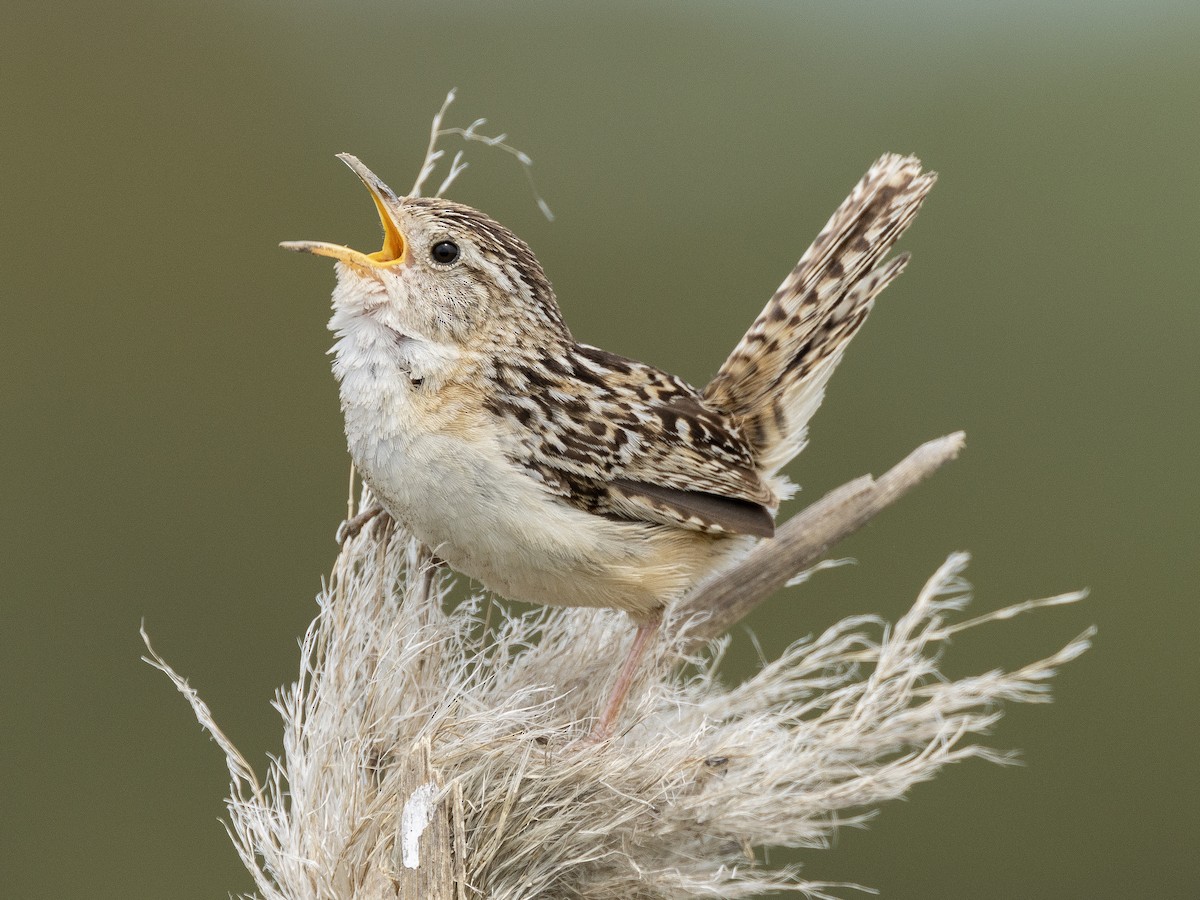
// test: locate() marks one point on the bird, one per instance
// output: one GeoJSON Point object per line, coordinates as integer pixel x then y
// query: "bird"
{"type": "Point", "coordinates": [558, 473]}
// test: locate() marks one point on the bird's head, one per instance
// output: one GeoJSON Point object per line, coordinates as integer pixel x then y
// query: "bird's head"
{"type": "Point", "coordinates": [445, 272]}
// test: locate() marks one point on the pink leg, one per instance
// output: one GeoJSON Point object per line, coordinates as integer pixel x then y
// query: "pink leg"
{"type": "Point", "coordinates": [612, 709]}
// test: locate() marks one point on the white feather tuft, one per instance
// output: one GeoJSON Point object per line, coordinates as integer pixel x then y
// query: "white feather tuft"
{"type": "Point", "coordinates": [496, 715]}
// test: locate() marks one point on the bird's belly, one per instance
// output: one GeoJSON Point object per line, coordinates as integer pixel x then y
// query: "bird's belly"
{"type": "Point", "coordinates": [490, 520]}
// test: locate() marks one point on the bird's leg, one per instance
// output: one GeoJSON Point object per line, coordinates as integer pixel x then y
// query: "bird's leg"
{"type": "Point", "coordinates": [351, 527]}
{"type": "Point", "coordinates": [646, 633]}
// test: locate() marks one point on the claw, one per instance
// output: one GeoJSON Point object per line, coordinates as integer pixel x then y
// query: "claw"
{"type": "Point", "coordinates": [352, 527]}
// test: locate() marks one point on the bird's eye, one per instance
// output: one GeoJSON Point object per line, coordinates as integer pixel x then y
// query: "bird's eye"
{"type": "Point", "coordinates": [444, 252]}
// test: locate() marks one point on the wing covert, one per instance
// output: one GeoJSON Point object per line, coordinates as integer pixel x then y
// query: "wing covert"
{"type": "Point", "coordinates": [618, 437]}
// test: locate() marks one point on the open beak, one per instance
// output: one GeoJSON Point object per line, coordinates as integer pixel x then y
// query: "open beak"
{"type": "Point", "coordinates": [393, 252]}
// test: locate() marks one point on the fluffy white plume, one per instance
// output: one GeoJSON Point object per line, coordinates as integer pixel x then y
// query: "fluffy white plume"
{"type": "Point", "coordinates": [416, 737]}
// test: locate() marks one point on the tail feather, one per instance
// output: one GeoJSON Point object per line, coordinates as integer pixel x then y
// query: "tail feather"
{"type": "Point", "coordinates": [775, 378]}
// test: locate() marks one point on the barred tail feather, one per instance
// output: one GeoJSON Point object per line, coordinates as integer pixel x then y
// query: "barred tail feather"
{"type": "Point", "coordinates": [775, 378]}
{"type": "Point", "coordinates": [784, 424]}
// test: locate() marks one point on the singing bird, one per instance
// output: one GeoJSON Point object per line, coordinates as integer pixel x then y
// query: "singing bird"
{"type": "Point", "coordinates": [558, 473]}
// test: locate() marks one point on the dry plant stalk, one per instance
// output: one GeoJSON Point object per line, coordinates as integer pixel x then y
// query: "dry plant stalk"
{"type": "Point", "coordinates": [440, 754]}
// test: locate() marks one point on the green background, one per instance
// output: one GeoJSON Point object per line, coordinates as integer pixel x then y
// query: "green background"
{"type": "Point", "coordinates": [172, 445]}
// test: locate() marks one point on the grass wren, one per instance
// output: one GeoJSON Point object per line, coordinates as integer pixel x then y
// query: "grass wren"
{"type": "Point", "coordinates": [558, 473]}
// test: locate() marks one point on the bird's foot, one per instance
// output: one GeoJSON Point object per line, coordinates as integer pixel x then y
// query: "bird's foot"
{"type": "Point", "coordinates": [352, 527]}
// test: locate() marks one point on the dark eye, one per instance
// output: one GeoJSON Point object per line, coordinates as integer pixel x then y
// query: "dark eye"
{"type": "Point", "coordinates": [444, 252]}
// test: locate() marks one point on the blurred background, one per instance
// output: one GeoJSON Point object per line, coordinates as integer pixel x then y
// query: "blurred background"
{"type": "Point", "coordinates": [172, 446]}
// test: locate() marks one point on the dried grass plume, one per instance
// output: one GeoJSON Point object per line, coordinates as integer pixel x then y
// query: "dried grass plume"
{"type": "Point", "coordinates": [415, 736]}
